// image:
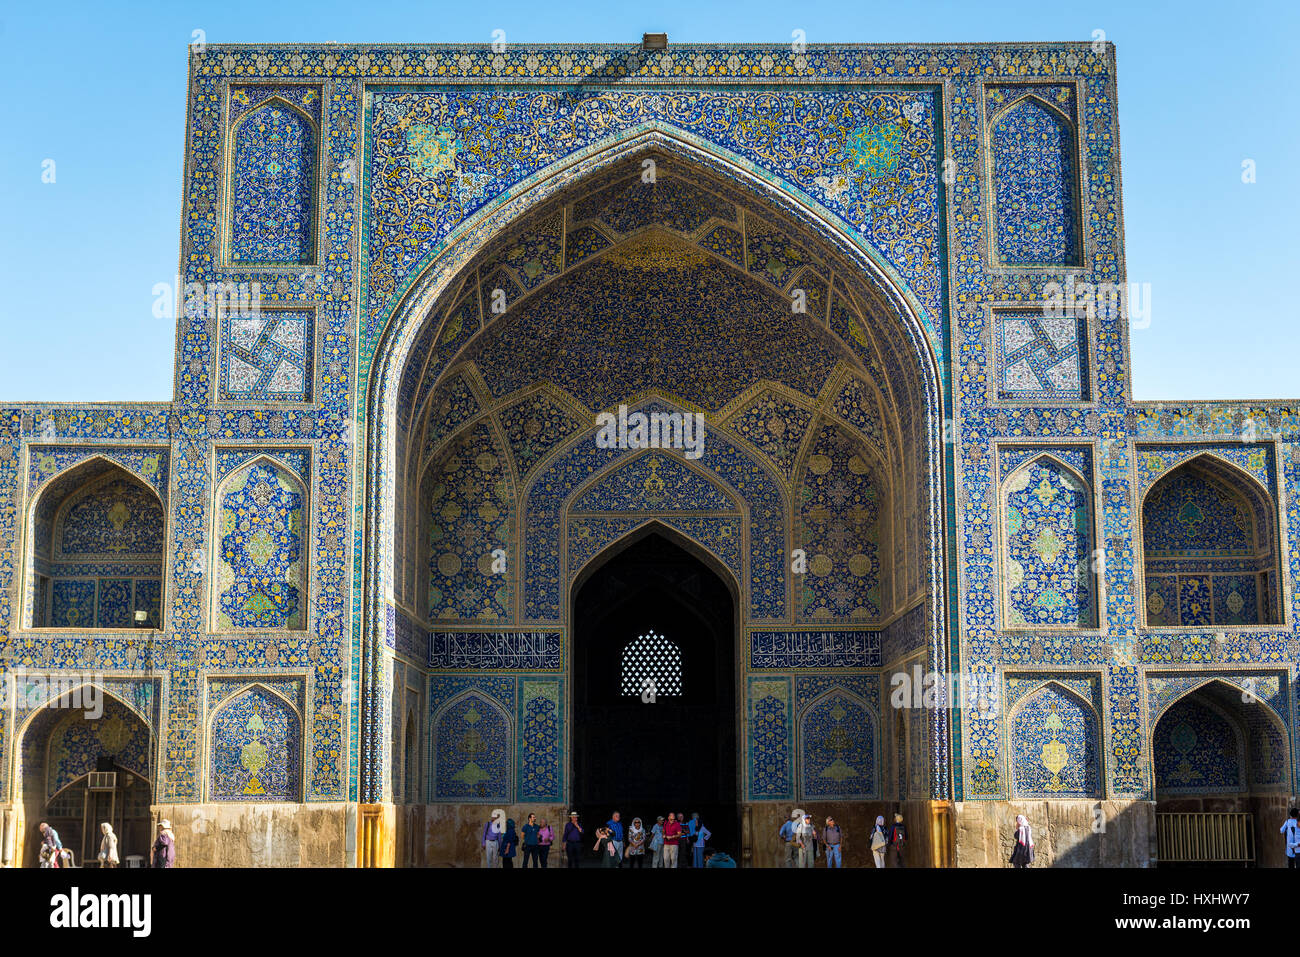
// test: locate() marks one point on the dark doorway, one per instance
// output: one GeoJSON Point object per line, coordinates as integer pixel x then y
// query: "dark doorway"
{"type": "Point", "coordinates": [655, 610]}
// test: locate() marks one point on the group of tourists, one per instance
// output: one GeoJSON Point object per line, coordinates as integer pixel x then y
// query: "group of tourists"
{"type": "Point", "coordinates": [54, 854]}
{"type": "Point", "coordinates": [802, 843]}
{"type": "Point", "coordinates": [616, 845]}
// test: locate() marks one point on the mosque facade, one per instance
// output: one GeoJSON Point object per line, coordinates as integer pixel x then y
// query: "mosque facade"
{"type": "Point", "coordinates": [685, 427]}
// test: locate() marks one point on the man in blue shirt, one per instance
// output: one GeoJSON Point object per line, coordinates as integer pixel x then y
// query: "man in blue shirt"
{"type": "Point", "coordinates": [788, 843]}
{"type": "Point", "coordinates": [616, 835]}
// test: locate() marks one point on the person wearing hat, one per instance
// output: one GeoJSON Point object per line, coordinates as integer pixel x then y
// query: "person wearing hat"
{"type": "Point", "coordinates": [50, 845]}
{"type": "Point", "coordinates": [805, 836]}
{"type": "Point", "coordinates": [898, 842]}
{"type": "Point", "coordinates": [833, 841]}
{"type": "Point", "coordinates": [572, 840]}
{"type": "Point", "coordinates": [164, 845]}
{"type": "Point", "coordinates": [657, 843]}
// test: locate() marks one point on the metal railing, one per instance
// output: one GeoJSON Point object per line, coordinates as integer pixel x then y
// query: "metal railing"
{"type": "Point", "coordinates": [1205, 838]}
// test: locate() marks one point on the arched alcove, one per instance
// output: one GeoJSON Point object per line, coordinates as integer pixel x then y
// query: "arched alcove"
{"type": "Point", "coordinates": [260, 549]}
{"type": "Point", "coordinates": [255, 748]}
{"type": "Point", "coordinates": [838, 748]}
{"type": "Point", "coordinates": [473, 754]}
{"type": "Point", "coordinates": [272, 186]}
{"type": "Point", "coordinates": [630, 303]}
{"type": "Point", "coordinates": [1209, 547]}
{"type": "Point", "coordinates": [86, 731]}
{"type": "Point", "coordinates": [1047, 546]}
{"type": "Point", "coordinates": [1033, 155]}
{"type": "Point", "coordinates": [1055, 745]}
{"type": "Point", "coordinates": [95, 547]}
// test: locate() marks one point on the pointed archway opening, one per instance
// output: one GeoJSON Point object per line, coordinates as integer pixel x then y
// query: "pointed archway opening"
{"type": "Point", "coordinates": [86, 760]}
{"type": "Point", "coordinates": [1221, 761]}
{"type": "Point", "coordinates": [654, 722]}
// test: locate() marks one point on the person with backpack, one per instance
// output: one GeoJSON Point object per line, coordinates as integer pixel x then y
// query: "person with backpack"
{"type": "Point", "coordinates": [50, 846]}
{"type": "Point", "coordinates": [805, 840]}
{"type": "Point", "coordinates": [545, 838]}
{"type": "Point", "coordinates": [879, 841]}
{"type": "Point", "coordinates": [898, 842]}
{"type": "Point", "coordinates": [833, 841]}
{"type": "Point", "coordinates": [1291, 828]}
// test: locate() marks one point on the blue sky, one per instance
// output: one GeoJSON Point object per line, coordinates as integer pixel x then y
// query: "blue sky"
{"type": "Point", "coordinates": [100, 89]}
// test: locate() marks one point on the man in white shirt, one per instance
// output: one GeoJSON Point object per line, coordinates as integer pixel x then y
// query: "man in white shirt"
{"type": "Point", "coordinates": [805, 835]}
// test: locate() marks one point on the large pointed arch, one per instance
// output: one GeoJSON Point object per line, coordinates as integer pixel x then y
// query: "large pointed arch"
{"type": "Point", "coordinates": [897, 330]}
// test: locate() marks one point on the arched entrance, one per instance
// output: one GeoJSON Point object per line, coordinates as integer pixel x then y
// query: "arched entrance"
{"type": "Point", "coordinates": [1221, 761]}
{"type": "Point", "coordinates": [654, 718]}
{"type": "Point", "coordinates": [699, 295]}
{"type": "Point", "coordinates": [86, 759]}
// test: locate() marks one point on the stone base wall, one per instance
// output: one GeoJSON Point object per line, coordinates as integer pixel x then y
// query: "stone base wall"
{"type": "Point", "coordinates": [1066, 833]}
{"type": "Point", "coordinates": [262, 835]}
{"type": "Point", "coordinates": [764, 847]}
{"type": "Point", "coordinates": [449, 835]}
{"type": "Point", "coordinates": [980, 833]}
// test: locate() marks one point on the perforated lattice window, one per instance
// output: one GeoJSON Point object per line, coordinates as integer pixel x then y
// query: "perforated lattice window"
{"type": "Point", "coordinates": [652, 662]}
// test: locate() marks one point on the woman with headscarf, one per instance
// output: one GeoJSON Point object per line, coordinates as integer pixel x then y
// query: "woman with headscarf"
{"type": "Point", "coordinates": [1022, 855]}
{"type": "Point", "coordinates": [108, 846]}
{"type": "Point", "coordinates": [164, 845]}
{"type": "Point", "coordinates": [509, 843]}
{"type": "Point", "coordinates": [606, 848]}
{"type": "Point", "coordinates": [879, 841]}
{"type": "Point", "coordinates": [636, 838]}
